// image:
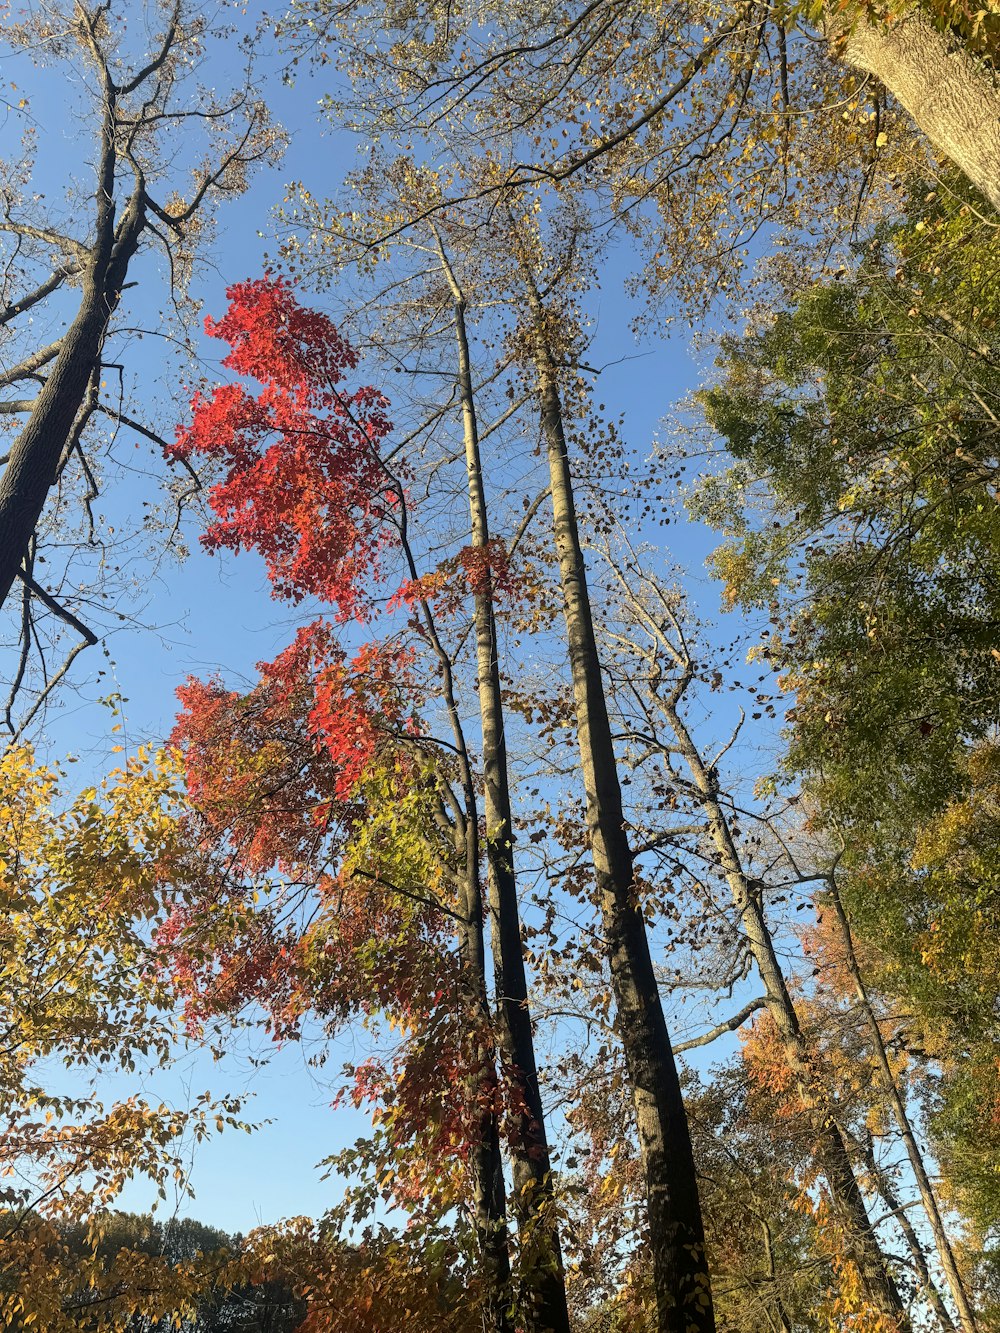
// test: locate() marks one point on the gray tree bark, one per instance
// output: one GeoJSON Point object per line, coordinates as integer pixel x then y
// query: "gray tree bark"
{"type": "Point", "coordinates": [953, 97]}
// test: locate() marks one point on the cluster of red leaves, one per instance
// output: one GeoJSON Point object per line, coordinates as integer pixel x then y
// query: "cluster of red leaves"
{"type": "Point", "coordinates": [272, 778]}
{"type": "Point", "coordinates": [222, 961]}
{"type": "Point", "coordinates": [276, 775]}
{"type": "Point", "coordinates": [304, 483]}
{"type": "Point", "coordinates": [377, 936]}
{"type": "Point", "coordinates": [273, 771]}
{"type": "Point", "coordinates": [366, 952]}
{"type": "Point", "coordinates": [423, 1096]}
{"type": "Point", "coordinates": [357, 703]}
{"type": "Point", "coordinates": [487, 569]}
{"type": "Point", "coordinates": [481, 570]}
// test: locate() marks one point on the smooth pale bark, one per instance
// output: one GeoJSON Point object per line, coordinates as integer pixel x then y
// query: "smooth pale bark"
{"type": "Point", "coordinates": [677, 1242]}
{"type": "Point", "coordinates": [953, 97]}
{"type": "Point", "coordinates": [830, 1149]}
{"type": "Point", "coordinates": [917, 1258]}
{"type": "Point", "coordinates": [956, 1286]}
{"type": "Point", "coordinates": [544, 1290]}
{"type": "Point", "coordinates": [480, 1086]}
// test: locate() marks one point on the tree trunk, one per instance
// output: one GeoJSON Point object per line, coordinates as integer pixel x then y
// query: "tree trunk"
{"type": "Point", "coordinates": [543, 1279]}
{"type": "Point", "coordinates": [779, 1306]}
{"type": "Point", "coordinates": [966, 1314]}
{"type": "Point", "coordinates": [680, 1274]}
{"type": "Point", "coordinates": [884, 1186]}
{"type": "Point", "coordinates": [489, 1193]}
{"type": "Point", "coordinates": [953, 97]}
{"type": "Point", "coordinates": [489, 1202]}
{"type": "Point", "coordinates": [831, 1150]}
{"type": "Point", "coordinates": [35, 456]}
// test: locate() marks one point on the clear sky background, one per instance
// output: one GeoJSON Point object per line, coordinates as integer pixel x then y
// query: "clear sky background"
{"type": "Point", "coordinates": [213, 613]}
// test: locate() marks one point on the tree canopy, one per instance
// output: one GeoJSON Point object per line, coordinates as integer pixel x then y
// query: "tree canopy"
{"type": "Point", "coordinates": [630, 935]}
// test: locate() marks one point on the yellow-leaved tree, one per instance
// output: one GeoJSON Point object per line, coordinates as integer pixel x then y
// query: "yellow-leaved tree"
{"type": "Point", "coordinates": [81, 891]}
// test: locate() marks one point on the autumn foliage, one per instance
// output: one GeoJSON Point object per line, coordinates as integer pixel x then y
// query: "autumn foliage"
{"type": "Point", "coordinates": [639, 1036]}
{"type": "Point", "coordinates": [330, 889]}
{"type": "Point", "coordinates": [304, 485]}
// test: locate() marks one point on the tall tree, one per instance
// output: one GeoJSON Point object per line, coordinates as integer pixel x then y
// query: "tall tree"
{"type": "Point", "coordinates": [532, 1167]}
{"type": "Point", "coordinates": [887, 1083]}
{"type": "Point", "coordinates": [680, 1274]}
{"type": "Point", "coordinates": [433, 281]}
{"type": "Point", "coordinates": [862, 425]}
{"type": "Point", "coordinates": [668, 673]}
{"type": "Point", "coordinates": [501, 251]}
{"type": "Point", "coordinates": [309, 485]}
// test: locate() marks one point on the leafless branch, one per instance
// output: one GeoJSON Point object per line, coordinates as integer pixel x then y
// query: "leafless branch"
{"type": "Point", "coordinates": [720, 1030]}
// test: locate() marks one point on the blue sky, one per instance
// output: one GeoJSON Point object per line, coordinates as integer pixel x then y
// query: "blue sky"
{"type": "Point", "coordinates": [215, 613]}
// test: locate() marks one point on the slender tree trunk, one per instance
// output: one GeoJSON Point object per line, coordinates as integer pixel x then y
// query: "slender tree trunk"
{"type": "Point", "coordinates": [489, 1192]}
{"type": "Point", "coordinates": [677, 1242]}
{"type": "Point", "coordinates": [831, 1150]}
{"type": "Point", "coordinates": [779, 1307]}
{"type": "Point", "coordinates": [541, 1256]}
{"type": "Point", "coordinates": [489, 1201]}
{"type": "Point", "coordinates": [966, 1314]}
{"type": "Point", "coordinates": [35, 455]}
{"type": "Point", "coordinates": [953, 96]}
{"type": "Point", "coordinates": [884, 1186]}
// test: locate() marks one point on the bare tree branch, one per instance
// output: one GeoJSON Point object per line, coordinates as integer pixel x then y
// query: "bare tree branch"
{"type": "Point", "coordinates": [50, 284]}
{"type": "Point", "coordinates": [720, 1030]}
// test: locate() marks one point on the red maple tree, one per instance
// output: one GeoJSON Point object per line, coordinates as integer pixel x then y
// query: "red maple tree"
{"type": "Point", "coordinates": [284, 779]}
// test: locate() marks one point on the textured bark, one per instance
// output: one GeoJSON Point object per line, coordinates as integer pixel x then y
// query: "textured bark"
{"type": "Point", "coordinates": [34, 458]}
{"type": "Point", "coordinates": [544, 1296]}
{"type": "Point", "coordinates": [680, 1274]}
{"type": "Point", "coordinates": [489, 1196]}
{"type": "Point", "coordinates": [488, 1189]}
{"type": "Point", "coordinates": [830, 1149]}
{"type": "Point", "coordinates": [953, 97]}
{"type": "Point", "coordinates": [966, 1314]}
